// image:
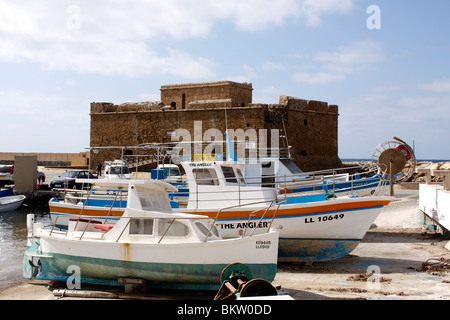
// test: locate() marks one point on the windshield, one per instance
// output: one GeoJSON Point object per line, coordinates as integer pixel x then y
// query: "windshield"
{"type": "Point", "coordinates": [119, 170]}
{"type": "Point", "coordinates": [69, 174]}
{"type": "Point", "coordinates": [173, 172]}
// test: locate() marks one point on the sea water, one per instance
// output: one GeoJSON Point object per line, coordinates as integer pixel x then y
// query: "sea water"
{"type": "Point", "coordinates": [13, 240]}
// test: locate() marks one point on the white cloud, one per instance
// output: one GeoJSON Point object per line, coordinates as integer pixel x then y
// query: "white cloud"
{"type": "Point", "coordinates": [272, 66]}
{"type": "Point", "coordinates": [246, 74]}
{"type": "Point", "coordinates": [355, 53]}
{"type": "Point", "coordinates": [317, 78]}
{"type": "Point", "coordinates": [425, 108]}
{"type": "Point", "coordinates": [437, 86]}
{"type": "Point", "coordinates": [14, 103]}
{"type": "Point", "coordinates": [116, 38]}
{"type": "Point", "coordinates": [369, 119]}
{"type": "Point", "coordinates": [43, 122]}
{"type": "Point", "coordinates": [269, 94]}
{"type": "Point", "coordinates": [296, 55]}
{"type": "Point", "coordinates": [336, 65]}
{"type": "Point", "coordinates": [313, 10]}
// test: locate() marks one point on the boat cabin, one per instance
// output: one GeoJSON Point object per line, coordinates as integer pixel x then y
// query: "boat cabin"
{"type": "Point", "coordinates": [219, 184]}
{"type": "Point", "coordinates": [148, 218]}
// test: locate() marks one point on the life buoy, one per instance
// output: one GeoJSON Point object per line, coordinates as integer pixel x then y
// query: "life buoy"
{"type": "Point", "coordinates": [405, 151]}
{"type": "Point", "coordinates": [285, 191]}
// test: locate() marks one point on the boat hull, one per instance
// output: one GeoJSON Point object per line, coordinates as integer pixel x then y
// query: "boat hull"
{"type": "Point", "coordinates": [171, 265]}
{"type": "Point", "coordinates": [10, 203]}
{"type": "Point", "coordinates": [314, 250]}
{"type": "Point", "coordinates": [312, 232]}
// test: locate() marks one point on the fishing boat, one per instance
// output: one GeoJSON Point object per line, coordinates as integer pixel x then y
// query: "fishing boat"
{"type": "Point", "coordinates": [315, 227]}
{"type": "Point", "coordinates": [150, 242]}
{"type": "Point", "coordinates": [9, 203]}
{"type": "Point", "coordinates": [244, 193]}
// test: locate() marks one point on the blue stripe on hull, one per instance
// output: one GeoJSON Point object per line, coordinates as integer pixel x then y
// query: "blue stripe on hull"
{"type": "Point", "coordinates": [313, 250]}
{"type": "Point", "coordinates": [160, 275]}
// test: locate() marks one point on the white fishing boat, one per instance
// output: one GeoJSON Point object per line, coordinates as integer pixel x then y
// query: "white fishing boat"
{"type": "Point", "coordinates": [314, 227]}
{"type": "Point", "coordinates": [10, 203]}
{"type": "Point", "coordinates": [150, 242]}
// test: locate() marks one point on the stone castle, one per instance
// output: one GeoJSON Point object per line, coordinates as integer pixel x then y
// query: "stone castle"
{"type": "Point", "coordinates": [309, 127]}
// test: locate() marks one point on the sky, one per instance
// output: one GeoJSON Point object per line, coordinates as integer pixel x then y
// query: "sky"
{"type": "Point", "coordinates": [384, 63]}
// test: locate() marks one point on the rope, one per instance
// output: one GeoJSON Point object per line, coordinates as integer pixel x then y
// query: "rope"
{"type": "Point", "coordinates": [435, 265]}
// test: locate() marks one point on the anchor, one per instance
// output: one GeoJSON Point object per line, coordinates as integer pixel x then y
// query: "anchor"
{"type": "Point", "coordinates": [236, 282]}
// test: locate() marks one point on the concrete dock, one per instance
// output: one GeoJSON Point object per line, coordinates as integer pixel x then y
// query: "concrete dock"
{"type": "Point", "coordinates": [399, 259]}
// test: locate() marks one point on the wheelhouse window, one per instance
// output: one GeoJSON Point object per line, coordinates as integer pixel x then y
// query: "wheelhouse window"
{"type": "Point", "coordinates": [206, 231]}
{"type": "Point", "coordinates": [205, 177]}
{"type": "Point", "coordinates": [151, 199]}
{"type": "Point", "coordinates": [240, 176]}
{"type": "Point", "coordinates": [119, 170]}
{"type": "Point", "coordinates": [172, 228]}
{"type": "Point", "coordinates": [141, 226]}
{"type": "Point", "coordinates": [229, 175]}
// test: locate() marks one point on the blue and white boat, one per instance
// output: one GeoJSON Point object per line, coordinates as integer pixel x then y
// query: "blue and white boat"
{"type": "Point", "coordinates": [6, 192]}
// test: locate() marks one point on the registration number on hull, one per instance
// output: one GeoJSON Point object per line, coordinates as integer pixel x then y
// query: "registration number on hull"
{"type": "Point", "coordinates": [325, 218]}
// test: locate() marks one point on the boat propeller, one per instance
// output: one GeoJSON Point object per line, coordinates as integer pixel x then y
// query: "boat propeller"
{"type": "Point", "coordinates": [36, 267]}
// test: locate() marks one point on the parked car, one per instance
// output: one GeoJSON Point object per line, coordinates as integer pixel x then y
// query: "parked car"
{"type": "Point", "coordinates": [40, 177]}
{"type": "Point", "coordinates": [6, 175]}
{"type": "Point", "coordinates": [68, 179]}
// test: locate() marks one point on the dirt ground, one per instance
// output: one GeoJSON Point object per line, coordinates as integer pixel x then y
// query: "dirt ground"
{"type": "Point", "coordinates": [399, 259]}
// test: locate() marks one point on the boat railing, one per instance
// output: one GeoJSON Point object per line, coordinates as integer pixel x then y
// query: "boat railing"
{"type": "Point", "coordinates": [262, 152]}
{"type": "Point", "coordinates": [91, 219]}
{"type": "Point", "coordinates": [288, 186]}
{"type": "Point", "coordinates": [307, 183]}
{"type": "Point", "coordinates": [383, 181]}
{"type": "Point", "coordinates": [75, 197]}
{"type": "Point", "coordinates": [85, 201]}
{"type": "Point", "coordinates": [266, 209]}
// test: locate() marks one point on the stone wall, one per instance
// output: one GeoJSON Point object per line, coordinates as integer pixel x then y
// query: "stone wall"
{"type": "Point", "coordinates": [180, 96]}
{"type": "Point", "coordinates": [311, 127]}
{"type": "Point", "coordinates": [130, 128]}
{"type": "Point", "coordinates": [312, 130]}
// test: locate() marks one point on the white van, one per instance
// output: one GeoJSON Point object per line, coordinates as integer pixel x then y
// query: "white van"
{"type": "Point", "coordinates": [117, 169]}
